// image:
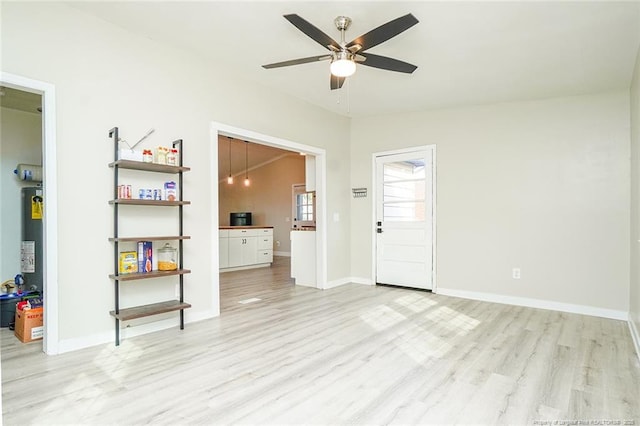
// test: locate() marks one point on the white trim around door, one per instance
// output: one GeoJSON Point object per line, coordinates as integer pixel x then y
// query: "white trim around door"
{"type": "Point", "coordinates": [50, 344]}
{"type": "Point", "coordinates": [376, 155]}
{"type": "Point", "coordinates": [321, 205]}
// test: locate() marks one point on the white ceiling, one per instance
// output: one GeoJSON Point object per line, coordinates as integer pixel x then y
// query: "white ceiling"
{"type": "Point", "coordinates": [466, 52]}
{"type": "Point", "coordinates": [20, 100]}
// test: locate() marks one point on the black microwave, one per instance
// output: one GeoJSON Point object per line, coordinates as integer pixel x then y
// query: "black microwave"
{"type": "Point", "coordinates": [240, 219]}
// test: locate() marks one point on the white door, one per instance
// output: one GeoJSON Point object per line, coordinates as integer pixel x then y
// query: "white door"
{"type": "Point", "coordinates": [404, 219]}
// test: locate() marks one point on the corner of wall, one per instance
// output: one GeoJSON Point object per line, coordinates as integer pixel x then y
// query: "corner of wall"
{"type": "Point", "coordinates": [634, 237]}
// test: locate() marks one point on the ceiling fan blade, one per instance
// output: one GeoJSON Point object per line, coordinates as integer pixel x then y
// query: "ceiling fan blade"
{"type": "Point", "coordinates": [297, 61]}
{"type": "Point", "coordinates": [385, 63]}
{"type": "Point", "coordinates": [384, 32]}
{"type": "Point", "coordinates": [337, 82]}
{"type": "Point", "coordinates": [312, 31]}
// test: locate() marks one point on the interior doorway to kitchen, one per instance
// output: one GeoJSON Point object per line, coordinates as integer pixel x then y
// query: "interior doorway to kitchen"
{"type": "Point", "coordinates": [46, 92]}
{"type": "Point", "coordinates": [280, 267]}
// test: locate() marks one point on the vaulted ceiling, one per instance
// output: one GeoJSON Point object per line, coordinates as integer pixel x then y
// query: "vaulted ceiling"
{"type": "Point", "coordinates": [466, 52]}
{"type": "Point", "coordinates": [236, 156]}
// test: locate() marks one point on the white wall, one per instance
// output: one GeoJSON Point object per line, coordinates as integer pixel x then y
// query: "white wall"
{"type": "Point", "coordinates": [543, 186]}
{"type": "Point", "coordinates": [634, 291]}
{"type": "Point", "coordinates": [20, 142]}
{"type": "Point", "coordinates": [106, 77]}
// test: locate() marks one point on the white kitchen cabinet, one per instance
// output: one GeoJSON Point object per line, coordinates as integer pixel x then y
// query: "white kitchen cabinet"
{"type": "Point", "coordinates": [265, 245]}
{"type": "Point", "coordinates": [265, 239]}
{"type": "Point", "coordinates": [223, 247]}
{"type": "Point", "coordinates": [245, 248]}
{"type": "Point", "coordinates": [303, 257]}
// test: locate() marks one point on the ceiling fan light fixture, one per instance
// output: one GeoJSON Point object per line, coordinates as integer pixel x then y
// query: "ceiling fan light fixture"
{"type": "Point", "coordinates": [343, 64]}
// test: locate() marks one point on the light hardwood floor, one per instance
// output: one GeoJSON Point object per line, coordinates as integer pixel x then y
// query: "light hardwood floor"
{"type": "Point", "coordinates": [351, 355]}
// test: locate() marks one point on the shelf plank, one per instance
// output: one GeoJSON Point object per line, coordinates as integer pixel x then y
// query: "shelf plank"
{"type": "Point", "coordinates": [163, 238]}
{"type": "Point", "coordinates": [148, 167]}
{"type": "Point", "coordinates": [138, 202]}
{"type": "Point", "coordinates": [148, 310]}
{"type": "Point", "coordinates": [147, 275]}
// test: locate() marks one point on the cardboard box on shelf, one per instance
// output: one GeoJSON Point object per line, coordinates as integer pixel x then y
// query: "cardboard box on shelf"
{"type": "Point", "coordinates": [145, 256]}
{"type": "Point", "coordinates": [128, 263]}
{"type": "Point", "coordinates": [170, 191]}
{"type": "Point", "coordinates": [29, 324]}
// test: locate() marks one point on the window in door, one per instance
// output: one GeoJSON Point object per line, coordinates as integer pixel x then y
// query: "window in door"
{"type": "Point", "coordinates": [404, 190]}
{"type": "Point", "coordinates": [303, 206]}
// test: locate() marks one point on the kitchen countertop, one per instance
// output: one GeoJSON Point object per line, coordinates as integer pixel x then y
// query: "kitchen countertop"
{"type": "Point", "coordinates": [244, 227]}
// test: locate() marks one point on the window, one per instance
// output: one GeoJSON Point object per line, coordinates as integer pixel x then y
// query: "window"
{"type": "Point", "coordinates": [303, 206]}
{"type": "Point", "coordinates": [404, 189]}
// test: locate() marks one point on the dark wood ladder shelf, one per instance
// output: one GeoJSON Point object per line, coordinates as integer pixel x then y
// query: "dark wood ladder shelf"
{"type": "Point", "coordinates": [119, 206]}
{"type": "Point", "coordinates": [146, 275]}
{"type": "Point", "coordinates": [139, 202]}
{"type": "Point", "coordinates": [127, 314]}
{"type": "Point", "coordinates": [159, 238]}
{"type": "Point", "coordinates": [149, 167]}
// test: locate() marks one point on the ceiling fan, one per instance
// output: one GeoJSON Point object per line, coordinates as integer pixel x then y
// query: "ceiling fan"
{"type": "Point", "coordinates": [344, 56]}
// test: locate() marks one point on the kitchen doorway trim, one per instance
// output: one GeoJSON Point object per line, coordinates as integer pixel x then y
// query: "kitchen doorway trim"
{"type": "Point", "coordinates": [219, 129]}
{"type": "Point", "coordinates": [50, 268]}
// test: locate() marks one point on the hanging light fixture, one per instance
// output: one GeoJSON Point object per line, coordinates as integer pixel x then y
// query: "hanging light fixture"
{"type": "Point", "coordinates": [247, 182]}
{"type": "Point", "coordinates": [230, 178]}
{"type": "Point", "coordinates": [343, 64]}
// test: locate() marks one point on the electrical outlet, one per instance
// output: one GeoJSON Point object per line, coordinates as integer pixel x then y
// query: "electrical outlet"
{"type": "Point", "coordinates": [515, 273]}
{"type": "Point", "coordinates": [278, 243]}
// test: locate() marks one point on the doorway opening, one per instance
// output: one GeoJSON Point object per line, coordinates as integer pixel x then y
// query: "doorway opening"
{"type": "Point", "coordinates": [47, 154]}
{"type": "Point", "coordinates": [221, 136]}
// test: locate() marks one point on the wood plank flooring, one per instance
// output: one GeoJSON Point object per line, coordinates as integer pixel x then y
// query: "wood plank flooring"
{"type": "Point", "coordinates": [356, 355]}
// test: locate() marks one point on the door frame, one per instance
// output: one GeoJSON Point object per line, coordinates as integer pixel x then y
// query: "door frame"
{"type": "Point", "coordinates": [219, 129]}
{"type": "Point", "coordinates": [374, 200]}
{"type": "Point", "coordinates": [50, 343]}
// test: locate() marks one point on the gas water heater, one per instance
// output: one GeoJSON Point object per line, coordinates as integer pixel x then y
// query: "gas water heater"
{"type": "Point", "coordinates": [31, 250]}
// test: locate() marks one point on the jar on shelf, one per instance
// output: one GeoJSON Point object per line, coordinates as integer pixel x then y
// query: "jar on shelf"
{"type": "Point", "coordinates": [172, 157]}
{"type": "Point", "coordinates": [161, 155]}
{"type": "Point", "coordinates": [147, 156]}
{"type": "Point", "coordinates": [167, 258]}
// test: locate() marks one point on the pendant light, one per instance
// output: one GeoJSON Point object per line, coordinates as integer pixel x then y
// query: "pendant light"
{"type": "Point", "coordinates": [247, 182]}
{"type": "Point", "coordinates": [230, 178]}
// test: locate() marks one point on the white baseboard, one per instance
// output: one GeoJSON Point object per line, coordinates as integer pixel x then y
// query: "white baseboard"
{"type": "Point", "coordinates": [282, 253]}
{"type": "Point", "coordinates": [70, 345]}
{"type": "Point", "coordinates": [347, 280]}
{"type": "Point", "coordinates": [242, 268]}
{"type": "Point", "coordinates": [635, 335]}
{"type": "Point", "coordinates": [536, 303]}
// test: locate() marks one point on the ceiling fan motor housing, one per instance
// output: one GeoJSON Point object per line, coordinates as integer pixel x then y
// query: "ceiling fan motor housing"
{"type": "Point", "coordinates": [342, 23]}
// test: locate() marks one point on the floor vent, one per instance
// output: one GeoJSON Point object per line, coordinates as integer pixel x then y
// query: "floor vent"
{"type": "Point", "coordinates": [253, 299]}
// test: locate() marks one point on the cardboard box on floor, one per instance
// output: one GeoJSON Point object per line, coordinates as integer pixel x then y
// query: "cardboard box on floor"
{"type": "Point", "coordinates": [29, 325]}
